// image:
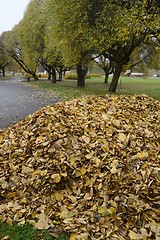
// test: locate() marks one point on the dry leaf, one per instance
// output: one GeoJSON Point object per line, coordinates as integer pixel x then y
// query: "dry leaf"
{"type": "Point", "coordinates": [86, 139]}
{"type": "Point", "coordinates": [135, 236]}
{"type": "Point", "coordinates": [5, 238]}
{"type": "Point", "coordinates": [73, 236]}
{"type": "Point", "coordinates": [56, 177]}
{"type": "Point", "coordinates": [122, 137]}
{"type": "Point", "coordinates": [42, 222]}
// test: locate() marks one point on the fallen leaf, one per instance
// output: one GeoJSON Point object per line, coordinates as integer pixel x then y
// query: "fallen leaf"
{"type": "Point", "coordinates": [86, 139]}
{"type": "Point", "coordinates": [56, 178]}
{"type": "Point", "coordinates": [42, 222]}
{"type": "Point", "coordinates": [73, 236]}
{"type": "Point", "coordinates": [135, 236]}
{"type": "Point", "coordinates": [5, 238]}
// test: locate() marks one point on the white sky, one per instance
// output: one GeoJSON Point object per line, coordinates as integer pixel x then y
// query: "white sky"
{"type": "Point", "coordinates": [11, 12]}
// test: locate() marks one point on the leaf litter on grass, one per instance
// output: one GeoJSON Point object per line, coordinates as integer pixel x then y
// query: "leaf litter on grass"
{"type": "Point", "coordinates": [89, 167]}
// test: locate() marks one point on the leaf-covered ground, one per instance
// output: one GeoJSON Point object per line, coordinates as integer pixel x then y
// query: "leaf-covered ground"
{"type": "Point", "coordinates": [89, 167]}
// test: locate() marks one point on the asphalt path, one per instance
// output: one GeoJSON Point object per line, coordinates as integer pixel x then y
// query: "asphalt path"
{"type": "Point", "coordinates": [18, 99]}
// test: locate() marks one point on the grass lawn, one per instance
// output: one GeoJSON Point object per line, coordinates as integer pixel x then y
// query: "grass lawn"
{"type": "Point", "coordinates": [148, 86]}
{"type": "Point", "coordinates": [68, 89]}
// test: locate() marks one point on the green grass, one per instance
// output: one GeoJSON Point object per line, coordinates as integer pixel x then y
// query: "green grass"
{"type": "Point", "coordinates": [68, 89]}
{"type": "Point", "coordinates": [148, 86]}
{"type": "Point", "coordinates": [26, 232]}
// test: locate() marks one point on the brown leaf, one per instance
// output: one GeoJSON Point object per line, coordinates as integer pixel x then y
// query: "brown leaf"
{"type": "Point", "coordinates": [42, 222]}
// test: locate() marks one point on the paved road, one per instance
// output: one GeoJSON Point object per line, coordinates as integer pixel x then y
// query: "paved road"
{"type": "Point", "coordinates": [18, 99]}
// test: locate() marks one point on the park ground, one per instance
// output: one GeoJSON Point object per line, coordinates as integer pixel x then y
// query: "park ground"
{"type": "Point", "coordinates": [67, 89]}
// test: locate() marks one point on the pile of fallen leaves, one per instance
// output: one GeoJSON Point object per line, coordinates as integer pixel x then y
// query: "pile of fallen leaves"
{"type": "Point", "coordinates": [88, 166]}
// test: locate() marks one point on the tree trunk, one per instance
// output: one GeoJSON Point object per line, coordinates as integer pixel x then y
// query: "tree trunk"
{"type": "Point", "coordinates": [49, 75]}
{"type": "Point", "coordinates": [53, 75]}
{"type": "Point", "coordinates": [114, 82]}
{"type": "Point", "coordinates": [106, 70]}
{"type": "Point", "coordinates": [34, 76]}
{"type": "Point", "coordinates": [106, 79]}
{"type": "Point", "coordinates": [60, 73]}
{"type": "Point", "coordinates": [3, 71]}
{"type": "Point", "coordinates": [64, 73]}
{"type": "Point", "coordinates": [81, 73]}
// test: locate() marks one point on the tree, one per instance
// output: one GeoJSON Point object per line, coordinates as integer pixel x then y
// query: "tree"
{"type": "Point", "coordinates": [38, 49]}
{"type": "Point", "coordinates": [4, 59]}
{"type": "Point", "coordinates": [52, 58]}
{"type": "Point", "coordinates": [106, 65]}
{"type": "Point", "coordinates": [15, 51]}
{"type": "Point", "coordinates": [130, 24]}
{"type": "Point", "coordinates": [30, 33]}
{"type": "Point", "coordinates": [144, 57]}
{"type": "Point", "coordinates": [67, 29]}
{"type": "Point", "coordinates": [111, 27]}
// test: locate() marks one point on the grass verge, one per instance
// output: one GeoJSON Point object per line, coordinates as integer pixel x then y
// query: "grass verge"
{"type": "Point", "coordinates": [26, 232]}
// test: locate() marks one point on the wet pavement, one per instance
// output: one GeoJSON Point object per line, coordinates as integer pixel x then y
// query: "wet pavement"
{"type": "Point", "coordinates": [18, 99]}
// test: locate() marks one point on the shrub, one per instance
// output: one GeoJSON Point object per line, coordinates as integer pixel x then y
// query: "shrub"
{"type": "Point", "coordinates": [27, 75]}
{"type": "Point", "coordinates": [95, 75]}
{"type": "Point", "coordinates": [43, 75]}
{"type": "Point", "coordinates": [73, 76]}
{"type": "Point", "coordinates": [39, 75]}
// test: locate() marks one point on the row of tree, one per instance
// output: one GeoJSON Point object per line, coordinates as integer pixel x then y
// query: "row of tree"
{"type": "Point", "coordinates": [65, 34]}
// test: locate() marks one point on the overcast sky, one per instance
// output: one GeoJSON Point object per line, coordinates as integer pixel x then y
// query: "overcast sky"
{"type": "Point", "coordinates": [11, 12]}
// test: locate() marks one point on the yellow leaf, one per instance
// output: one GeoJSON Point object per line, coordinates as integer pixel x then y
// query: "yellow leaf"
{"type": "Point", "coordinates": [56, 178]}
{"type": "Point", "coordinates": [155, 228]}
{"type": "Point", "coordinates": [23, 200]}
{"type": "Point", "coordinates": [1, 139]}
{"type": "Point", "coordinates": [5, 238]}
{"type": "Point", "coordinates": [58, 196]}
{"type": "Point", "coordinates": [43, 222]}
{"type": "Point", "coordinates": [11, 195]}
{"type": "Point", "coordinates": [97, 161]}
{"type": "Point", "coordinates": [86, 139]}
{"type": "Point", "coordinates": [114, 166]}
{"type": "Point", "coordinates": [73, 236]}
{"type": "Point", "coordinates": [142, 155]}
{"type": "Point", "coordinates": [83, 101]}
{"type": "Point", "coordinates": [39, 139]}
{"type": "Point", "coordinates": [149, 133]}
{"type": "Point", "coordinates": [105, 148]}
{"type": "Point", "coordinates": [89, 155]}
{"type": "Point", "coordinates": [82, 170]}
{"type": "Point", "coordinates": [9, 221]}
{"type": "Point", "coordinates": [122, 137]}
{"type": "Point", "coordinates": [106, 211]}
{"type": "Point", "coordinates": [105, 116]}
{"type": "Point", "coordinates": [72, 160]}
{"type": "Point", "coordinates": [135, 236]}
{"type": "Point", "coordinates": [102, 209]}
{"type": "Point", "coordinates": [26, 170]}
{"type": "Point", "coordinates": [12, 167]}
{"type": "Point", "coordinates": [36, 172]}
{"type": "Point", "coordinates": [116, 123]}
{"type": "Point", "coordinates": [71, 214]}
{"type": "Point", "coordinates": [83, 236]}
